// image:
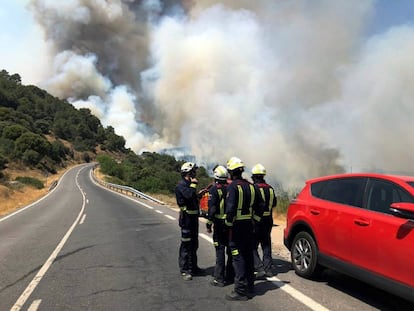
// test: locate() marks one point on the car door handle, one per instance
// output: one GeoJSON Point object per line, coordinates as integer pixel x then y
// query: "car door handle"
{"type": "Point", "coordinates": [314, 212]}
{"type": "Point", "coordinates": [362, 222]}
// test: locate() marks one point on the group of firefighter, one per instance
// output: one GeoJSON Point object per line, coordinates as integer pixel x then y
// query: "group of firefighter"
{"type": "Point", "coordinates": [240, 218]}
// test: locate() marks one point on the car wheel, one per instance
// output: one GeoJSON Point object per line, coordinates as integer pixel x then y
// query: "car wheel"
{"type": "Point", "coordinates": [304, 255]}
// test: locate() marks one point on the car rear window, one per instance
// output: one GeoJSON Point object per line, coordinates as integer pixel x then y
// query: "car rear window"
{"type": "Point", "coordinates": [341, 190]}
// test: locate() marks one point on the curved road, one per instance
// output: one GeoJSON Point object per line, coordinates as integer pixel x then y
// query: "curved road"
{"type": "Point", "coordinates": [83, 247]}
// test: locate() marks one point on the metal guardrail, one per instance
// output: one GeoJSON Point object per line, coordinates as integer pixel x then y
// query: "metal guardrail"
{"type": "Point", "coordinates": [125, 190]}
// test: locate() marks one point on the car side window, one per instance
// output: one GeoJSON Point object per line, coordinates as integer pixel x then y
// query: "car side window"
{"type": "Point", "coordinates": [316, 188]}
{"type": "Point", "coordinates": [342, 190]}
{"type": "Point", "coordinates": [381, 194]}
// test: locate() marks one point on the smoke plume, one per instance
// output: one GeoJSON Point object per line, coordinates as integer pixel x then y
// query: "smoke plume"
{"type": "Point", "coordinates": [293, 85]}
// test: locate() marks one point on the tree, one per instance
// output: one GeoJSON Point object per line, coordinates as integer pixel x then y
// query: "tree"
{"type": "Point", "coordinates": [31, 157]}
{"type": "Point", "coordinates": [58, 151]}
{"type": "Point", "coordinates": [114, 142]}
{"type": "Point", "coordinates": [14, 131]}
{"type": "Point", "coordinates": [16, 78]}
{"type": "Point", "coordinates": [31, 141]}
{"type": "Point", "coordinates": [42, 126]}
{"type": "Point", "coordinates": [7, 148]}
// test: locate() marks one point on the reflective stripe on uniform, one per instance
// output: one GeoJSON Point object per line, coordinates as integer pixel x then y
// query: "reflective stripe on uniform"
{"type": "Point", "coordinates": [190, 212]}
{"type": "Point", "coordinates": [270, 203]}
{"type": "Point", "coordinates": [186, 239]}
{"type": "Point", "coordinates": [221, 215]}
{"type": "Point", "coordinates": [235, 252]}
{"type": "Point", "coordinates": [239, 215]}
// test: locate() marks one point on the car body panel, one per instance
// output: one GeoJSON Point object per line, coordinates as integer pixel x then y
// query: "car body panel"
{"type": "Point", "coordinates": [363, 238]}
{"type": "Point", "coordinates": [385, 246]}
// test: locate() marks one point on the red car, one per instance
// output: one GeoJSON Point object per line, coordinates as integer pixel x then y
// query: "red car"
{"type": "Point", "coordinates": [358, 224]}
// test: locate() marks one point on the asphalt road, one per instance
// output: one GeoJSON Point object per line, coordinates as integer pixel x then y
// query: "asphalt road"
{"type": "Point", "coordinates": [86, 248]}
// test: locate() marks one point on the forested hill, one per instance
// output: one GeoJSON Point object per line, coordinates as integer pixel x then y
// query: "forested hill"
{"type": "Point", "coordinates": [41, 131]}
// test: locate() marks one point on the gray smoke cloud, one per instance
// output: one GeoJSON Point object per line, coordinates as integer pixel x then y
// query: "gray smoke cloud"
{"type": "Point", "coordinates": [293, 85]}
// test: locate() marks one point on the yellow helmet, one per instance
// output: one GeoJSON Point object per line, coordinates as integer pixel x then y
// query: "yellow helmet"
{"type": "Point", "coordinates": [188, 167]}
{"type": "Point", "coordinates": [258, 169]}
{"type": "Point", "coordinates": [234, 163]}
{"type": "Point", "coordinates": [220, 172]}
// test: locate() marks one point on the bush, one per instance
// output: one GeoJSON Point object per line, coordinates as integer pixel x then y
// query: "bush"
{"type": "Point", "coordinates": [30, 181]}
{"type": "Point", "coordinates": [3, 162]}
{"type": "Point", "coordinates": [86, 157]}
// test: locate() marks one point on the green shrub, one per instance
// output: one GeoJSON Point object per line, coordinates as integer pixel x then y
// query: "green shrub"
{"type": "Point", "coordinates": [30, 181]}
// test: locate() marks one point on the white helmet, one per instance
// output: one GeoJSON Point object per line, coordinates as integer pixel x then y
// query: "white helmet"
{"type": "Point", "coordinates": [234, 163]}
{"type": "Point", "coordinates": [220, 172]}
{"type": "Point", "coordinates": [258, 169]}
{"type": "Point", "coordinates": [188, 167]}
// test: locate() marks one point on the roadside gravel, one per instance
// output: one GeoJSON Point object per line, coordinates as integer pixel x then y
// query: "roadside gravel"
{"type": "Point", "coordinates": [278, 248]}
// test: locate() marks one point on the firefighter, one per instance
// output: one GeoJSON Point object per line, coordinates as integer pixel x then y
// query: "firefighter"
{"type": "Point", "coordinates": [187, 200]}
{"type": "Point", "coordinates": [223, 273]}
{"type": "Point", "coordinates": [243, 204]}
{"type": "Point", "coordinates": [263, 229]}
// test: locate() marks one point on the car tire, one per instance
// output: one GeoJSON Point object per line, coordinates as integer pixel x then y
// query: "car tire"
{"type": "Point", "coordinates": [304, 256]}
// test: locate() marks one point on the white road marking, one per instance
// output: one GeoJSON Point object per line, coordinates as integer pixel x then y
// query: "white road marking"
{"type": "Point", "coordinates": [35, 305]}
{"type": "Point", "coordinates": [309, 302]}
{"type": "Point", "coordinates": [38, 277]}
{"type": "Point", "coordinates": [83, 219]}
{"type": "Point", "coordinates": [206, 237]}
{"type": "Point", "coordinates": [170, 217]}
{"type": "Point", "coordinates": [158, 211]}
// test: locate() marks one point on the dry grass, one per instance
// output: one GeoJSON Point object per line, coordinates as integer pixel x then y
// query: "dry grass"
{"type": "Point", "coordinates": [13, 198]}
{"type": "Point", "coordinates": [167, 199]}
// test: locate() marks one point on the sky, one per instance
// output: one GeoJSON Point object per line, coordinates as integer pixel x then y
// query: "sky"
{"type": "Point", "coordinates": [305, 87]}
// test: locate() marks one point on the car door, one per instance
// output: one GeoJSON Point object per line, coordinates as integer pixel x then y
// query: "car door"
{"type": "Point", "coordinates": [342, 199]}
{"type": "Point", "coordinates": [381, 242]}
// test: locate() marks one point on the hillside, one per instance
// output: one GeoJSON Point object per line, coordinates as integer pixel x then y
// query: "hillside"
{"type": "Point", "coordinates": [40, 131]}
{"type": "Point", "coordinates": [41, 136]}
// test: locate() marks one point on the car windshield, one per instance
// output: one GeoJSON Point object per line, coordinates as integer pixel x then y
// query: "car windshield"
{"type": "Point", "coordinates": [411, 183]}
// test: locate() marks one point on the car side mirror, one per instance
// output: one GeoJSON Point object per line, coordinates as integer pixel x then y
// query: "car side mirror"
{"type": "Point", "coordinates": [402, 210]}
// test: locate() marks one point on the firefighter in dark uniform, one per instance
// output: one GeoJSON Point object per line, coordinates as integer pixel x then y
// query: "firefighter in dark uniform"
{"type": "Point", "coordinates": [243, 204]}
{"type": "Point", "coordinates": [263, 267]}
{"type": "Point", "coordinates": [223, 273]}
{"type": "Point", "coordinates": [187, 200]}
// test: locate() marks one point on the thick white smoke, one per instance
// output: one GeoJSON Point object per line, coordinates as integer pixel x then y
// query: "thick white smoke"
{"type": "Point", "coordinates": [289, 84]}
{"type": "Point", "coordinates": [374, 110]}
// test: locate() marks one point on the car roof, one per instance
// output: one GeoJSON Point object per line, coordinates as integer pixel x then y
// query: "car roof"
{"type": "Point", "coordinates": [403, 178]}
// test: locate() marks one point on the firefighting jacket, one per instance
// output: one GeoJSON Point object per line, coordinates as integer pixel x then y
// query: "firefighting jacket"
{"type": "Point", "coordinates": [216, 199]}
{"type": "Point", "coordinates": [268, 194]}
{"type": "Point", "coordinates": [243, 202]}
{"type": "Point", "coordinates": [186, 195]}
